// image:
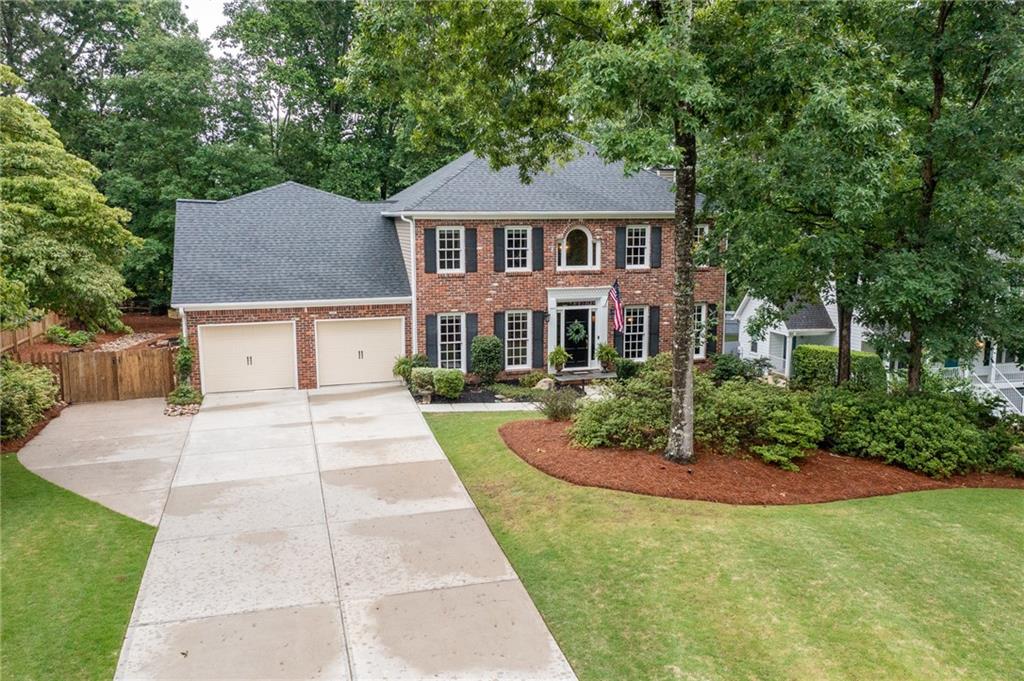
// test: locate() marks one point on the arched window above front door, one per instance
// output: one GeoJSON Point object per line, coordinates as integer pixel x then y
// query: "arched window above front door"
{"type": "Point", "coordinates": [579, 250]}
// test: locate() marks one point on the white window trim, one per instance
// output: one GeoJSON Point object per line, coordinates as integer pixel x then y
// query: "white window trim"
{"type": "Point", "coordinates": [529, 341]}
{"type": "Point", "coordinates": [529, 249]}
{"type": "Point", "coordinates": [701, 351]}
{"type": "Point", "coordinates": [704, 228]}
{"type": "Point", "coordinates": [462, 337]}
{"type": "Point", "coordinates": [593, 251]}
{"type": "Point", "coordinates": [462, 249]}
{"type": "Point", "coordinates": [646, 334]}
{"type": "Point", "coordinates": [647, 247]}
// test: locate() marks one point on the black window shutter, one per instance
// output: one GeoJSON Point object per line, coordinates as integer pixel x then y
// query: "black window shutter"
{"type": "Point", "coordinates": [655, 246]}
{"type": "Point", "coordinates": [619, 340]}
{"type": "Point", "coordinates": [432, 339]}
{"type": "Point", "coordinates": [538, 340]}
{"type": "Point", "coordinates": [653, 330]}
{"type": "Point", "coordinates": [471, 249]}
{"type": "Point", "coordinates": [712, 337]}
{"type": "Point", "coordinates": [430, 250]}
{"type": "Point", "coordinates": [620, 248]}
{"type": "Point", "coordinates": [472, 326]}
{"type": "Point", "coordinates": [499, 249]}
{"type": "Point", "coordinates": [499, 331]}
{"type": "Point", "coordinates": [537, 234]}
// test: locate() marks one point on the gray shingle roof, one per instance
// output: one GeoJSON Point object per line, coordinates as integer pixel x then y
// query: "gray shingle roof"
{"type": "Point", "coordinates": [585, 184]}
{"type": "Point", "coordinates": [809, 316]}
{"type": "Point", "coordinates": [288, 242]}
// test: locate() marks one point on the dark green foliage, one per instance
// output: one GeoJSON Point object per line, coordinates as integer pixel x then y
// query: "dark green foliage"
{"type": "Point", "coordinates": [422, 379]}
{"type": "Point", "coordinates": [449, 383]}
{"type": "Point", "coordinates": [559, 404]}
{"type": "Point", "coordinates": [936, 433]}
{"type": "Point", "coordinates": [26, 392]}
{"type": "Point", "coordinates": [486, 357]}
{"type": "Point", "coordinates": [626, 368]}
{"type": "Point", "coordinates": [183, 365]}
{"type": "Point", "coordinates": [517, 393]}
{"type": "Point", "coordinates": [533, 378]}
{"type": "Point", "coordinates": [403, 366]}
{"type": "Point", "coordinates": [728, 367]}
{"type": "Point", "coordinates": [815, 366]}
{"type": "Point", "coordinates": [184, 394]}
{"type": "Point", "coordinates": [63, 336]}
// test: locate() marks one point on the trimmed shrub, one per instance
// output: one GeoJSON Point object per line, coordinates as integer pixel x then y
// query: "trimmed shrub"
{"type": "Point", "coordinates": [63, 336]}
{"type": "Point", "coordinates": [559, 404]}
{"type": "Point", "coordinates": [816, 366]}
{"type": "Point", "coordinates": [485, 354]}
{"type": "Point", "coordinates": [422, 378]}
{"type": "Point", "coordinates": [531, 379]}
{"type": "Point", "coordinates": [728, 367]}
{"type": "Point", "coordinates": [26, 393]}
{"type": "Point", "coordinates": [184, 394]}
{"type": "Point", "coordinates": [403, 366]}
{"type": "Point", "coordinates": [449, 383]}
{"type": "Point", "coordinates": [626, 369]}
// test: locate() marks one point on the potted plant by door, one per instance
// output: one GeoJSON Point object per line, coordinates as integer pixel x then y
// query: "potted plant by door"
{"type": "Point", "coordinates": [606, 355]}
{"type": "Point", "coordinates": [558, 357]}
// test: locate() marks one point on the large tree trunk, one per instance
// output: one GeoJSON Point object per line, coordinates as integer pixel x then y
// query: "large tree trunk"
{"type": "Point", "coordinates": [680, 437]}
{"type": "Point", "coordinates": [845, 329]}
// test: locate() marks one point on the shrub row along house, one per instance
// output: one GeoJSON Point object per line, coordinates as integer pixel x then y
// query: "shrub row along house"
{"type": "Point", "coordinates": [290, 286]}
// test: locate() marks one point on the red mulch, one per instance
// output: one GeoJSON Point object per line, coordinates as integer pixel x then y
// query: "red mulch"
{"type": "Point", "coordinates": [140, 323]}
{"type": "Point", "coordinates": [8, 446]}
{"type": "Point", "coordinates": [716, 477]}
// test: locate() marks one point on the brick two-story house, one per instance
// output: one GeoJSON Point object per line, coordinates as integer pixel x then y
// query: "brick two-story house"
{"type": "Point", "coordinates": [293, 287]}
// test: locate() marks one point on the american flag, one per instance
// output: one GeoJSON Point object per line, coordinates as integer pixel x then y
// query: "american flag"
{"type": "Point", "coordinates": [619, 317]}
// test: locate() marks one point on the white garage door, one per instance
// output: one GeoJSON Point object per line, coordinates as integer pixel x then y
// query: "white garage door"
{"type": "Point", "coordinates": [357, 350]}
{"type": "Point", "coordinates": [247, 356]}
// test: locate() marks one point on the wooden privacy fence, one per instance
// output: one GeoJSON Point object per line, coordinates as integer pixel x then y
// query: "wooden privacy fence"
{"type": "Point", "coordinates": [102, 376]}
{"type": "Point", "coordinates": [15, 338]}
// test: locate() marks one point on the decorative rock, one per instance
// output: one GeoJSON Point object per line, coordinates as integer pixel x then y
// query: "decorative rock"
{"type": "Point", "coordinates": [127, 341]}
{"type": "Point", "coordinates": [545, 384]}
{"type": "Point", "coordinates": [181, 409]}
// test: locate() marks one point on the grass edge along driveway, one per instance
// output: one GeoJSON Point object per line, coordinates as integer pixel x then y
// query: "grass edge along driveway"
{"type": "Point", "coordinates": [69, 573]}
{"type": "Point", "coordinates": [926, 585]}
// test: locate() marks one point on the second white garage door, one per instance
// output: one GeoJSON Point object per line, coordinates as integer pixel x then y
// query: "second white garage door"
{"type": "Point", "coordinates": [247, 356]}
{"type": "Point", "coordinates": [358, 350]}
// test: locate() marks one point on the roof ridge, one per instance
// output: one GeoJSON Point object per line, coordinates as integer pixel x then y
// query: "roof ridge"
{"type": "Point", "coordinates": [292, 183]}
{"type": "Point", "coordinates": [473, 158]}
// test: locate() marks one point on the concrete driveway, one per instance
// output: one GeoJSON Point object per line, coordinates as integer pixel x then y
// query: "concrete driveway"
{"type": "Point", "coordinates": [309, 534]}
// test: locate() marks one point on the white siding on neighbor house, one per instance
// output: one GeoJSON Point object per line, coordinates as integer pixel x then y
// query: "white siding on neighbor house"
{"type": "Point", "coordinates": [858, 333]}
{"type": "Point", "coordinates": [405, 243]}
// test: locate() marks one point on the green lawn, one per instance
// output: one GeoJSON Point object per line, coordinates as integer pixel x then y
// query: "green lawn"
{"type": "Point", "coordinates": [928, 585]}
{"type": "Point", "coordinates": [70, 573]}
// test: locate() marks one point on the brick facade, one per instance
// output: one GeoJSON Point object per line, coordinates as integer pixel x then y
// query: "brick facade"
{"type": "Point", "coordinates": [485, 291]}
{"type": "Point", "coordinates": [304, 318]}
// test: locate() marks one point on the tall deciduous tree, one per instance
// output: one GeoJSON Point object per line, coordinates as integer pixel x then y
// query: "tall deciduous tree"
{"type": "Point", "coordinates": [518, 76]}
{"type": "Point", "coordinates": [63, 245]}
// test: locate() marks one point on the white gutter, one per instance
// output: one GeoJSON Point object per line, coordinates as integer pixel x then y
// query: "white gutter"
{"type": "Point", "coordinates": [339, 302]}
{"type": "Point", "coordinates": [412, 282]}
{"type": "Point", "coordinates": [537, 215]}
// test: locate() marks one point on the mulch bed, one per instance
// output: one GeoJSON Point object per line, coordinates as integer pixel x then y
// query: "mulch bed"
{"type": "Point", "coordinates": [726, 479]}
{"type": "Point", "coordinates": [471, 395]}
{"type": "Point", "coordinates": [8, 446]}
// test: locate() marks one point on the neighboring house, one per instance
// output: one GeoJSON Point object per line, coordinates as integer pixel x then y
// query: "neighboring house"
{"type": "Point", "coordinates": [993, 370]}
{"type": "Point", "coordinates": [290, 286]}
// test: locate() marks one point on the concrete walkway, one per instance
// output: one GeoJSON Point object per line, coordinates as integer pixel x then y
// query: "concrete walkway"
{"type": "Point", "coordinates": [318, 534]}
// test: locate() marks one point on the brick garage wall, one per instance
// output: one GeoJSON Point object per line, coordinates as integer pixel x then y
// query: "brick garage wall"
{"type": "Point", "coordinates": [486, 291]}
{"type": "Point", "coordinates": [304, 318]}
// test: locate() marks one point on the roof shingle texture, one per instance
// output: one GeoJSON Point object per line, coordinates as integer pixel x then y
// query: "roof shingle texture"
{"type": "Point", "coordinates": [585, 184]}
{"type": "Point", "coordinates": [809, 316]}
{"type": "Point", "coordinates": [288, 242]}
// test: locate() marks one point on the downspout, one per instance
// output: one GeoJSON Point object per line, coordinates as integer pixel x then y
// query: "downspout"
{"type": "Point", "coordinates": [412, 282]}
{"type": "Point", "coordinates": [184, 326]}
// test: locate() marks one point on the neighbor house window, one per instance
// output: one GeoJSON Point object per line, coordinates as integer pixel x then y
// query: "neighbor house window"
{"type": "Point", "coordinates": [517, 248]}
{"type": "Point", "coordinates": [450, 332]}
{"type": "Point", "coordinates": [753, 345]}
{"type": "Point", "coordinates": [638, 246]}
{"type": "Point", "coordinates": [700, 319]}
{"type": "Point", "coordinates": [700, 232]}
{"type": "Point", "coordinates": [517, 339]}
{"type": "Point", "coordinates": [634, 333]}
{"type": "Point", "coordinates": [578, 250]}
{"type": "Point", "coordinates": [449, 249]}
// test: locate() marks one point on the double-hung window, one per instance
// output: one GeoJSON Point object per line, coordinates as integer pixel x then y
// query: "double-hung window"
{"type": "Point", "coordinates": [700, 232]}
{"type": "Point", "coordinates": [517, 249]}
{"type": "Point", "coordinates": [451, 330]}
{"type": "Point", "coordinates": [700, 320]}
{"type": "Point", "coordinates": [517, 339]}
{"type": "Point", "coordinates": [450, 249]}
{"type": "Point", "coordinates": [634, 333]}
{"type": "Point", "coordinates": [638, 246]}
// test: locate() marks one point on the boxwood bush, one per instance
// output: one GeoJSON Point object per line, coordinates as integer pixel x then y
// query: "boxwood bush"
{"type": "Point", "coordinates": [449, 383]}
{"type": "Point", "coordinates": [422, 378]}
{"type": "Point", "coordinates": [816, 366]}
{"type": "Point", "coordinates": [26, 393]}
{"type": "Point", "coordinates": [485, 353]}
